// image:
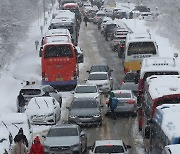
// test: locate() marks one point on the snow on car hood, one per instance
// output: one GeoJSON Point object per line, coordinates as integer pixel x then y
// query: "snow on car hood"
{"type": "Point", "coordinates": [61, 141]}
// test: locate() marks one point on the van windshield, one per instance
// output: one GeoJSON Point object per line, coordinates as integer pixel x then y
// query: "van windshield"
{"type": "Point", "coordinates": [141, 48]}
{"type": "Point", "coordinates": [58, 51]}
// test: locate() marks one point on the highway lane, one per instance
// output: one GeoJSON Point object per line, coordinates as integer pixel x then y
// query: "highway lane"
{"type": "Point", "coordinates": [97, 51]}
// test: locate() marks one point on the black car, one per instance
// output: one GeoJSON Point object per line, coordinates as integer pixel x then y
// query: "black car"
{"type": "Point", "coordinates": [100, 68]}
{"type": "Point", "coordinates": [131, 77]}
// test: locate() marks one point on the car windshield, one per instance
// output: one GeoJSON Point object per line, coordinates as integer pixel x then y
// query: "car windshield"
{"type": "Point", "coordinates": [109, 149]}
{"type": "Point", "coordinates": [99, 69]}
{"type": "Point", "coordinates": [123, 95]}
{"type": "Point", "coordinates": [30, 91]}
{"type": "Point", "coordinates": [141, 48]}
{"type": "Point", "coordinates": [86, 89]}
{"type": "Point", "coordinates": [58, 51]}
{"type": "Point", "coordinates": [97, 77]}
{"type": "Point", "coordinates": [56, 132]}
{"type": "Point", "coordinates": [84, 104]}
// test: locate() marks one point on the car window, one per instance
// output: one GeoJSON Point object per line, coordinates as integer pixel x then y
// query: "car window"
{"type": "Point", "coordinates": [86, 89]}
{"type": "Point", "coordinates": [98, 77]}
{"type": "Point", "coordinates": [31, 91]}
{"type": "Point", "coordinates": [84, 104]}
{"type": "Point", "coordinates": [123, 95]}
{"type": "Point", "coordinates": [52, 90]}
{"type": "Point", "coordinates": [55, 132]}
{"type": "Point", "coordinates": [129, 77]}
{"type": "Point", "coordinates": [109, 149]}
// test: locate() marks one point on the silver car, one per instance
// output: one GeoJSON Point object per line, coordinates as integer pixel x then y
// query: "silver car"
{"type": "Point", "coordinates": [127, 102]}
{"type": "Point", "coordinates": [35, 90]}
{"type": "Point", "coordinates": [85, 111]}
{"type": "Point", "coordinates": [65, 139]}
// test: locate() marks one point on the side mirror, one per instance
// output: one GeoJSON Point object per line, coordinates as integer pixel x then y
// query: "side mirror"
{"type": "Point", "coordinates": [128, 146]}
{"type": "Point", "coordinates": [72, 92]}
{"type": "Point", "coordinates": [88, 71]}
{"type": "Point", "coordinates": [40, 51]}
{"type": "Point", "coordinates": [80, 58]}
{"type": "Point", "coordinates": [82, 134]}
{"type": "Point", "coordinates": [44, 136]}
{"type": "Point", "coordinates": [67, 107]}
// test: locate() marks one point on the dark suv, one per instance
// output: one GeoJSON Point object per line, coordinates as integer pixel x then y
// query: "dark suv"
{"type": "Point", "coordinates": [100, 68]}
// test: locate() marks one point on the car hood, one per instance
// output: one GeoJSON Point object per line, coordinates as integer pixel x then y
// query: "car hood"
{"type": "Point", "coordinates": [61, 141]}
{"type": "Point", "coordinates": [82, 112]}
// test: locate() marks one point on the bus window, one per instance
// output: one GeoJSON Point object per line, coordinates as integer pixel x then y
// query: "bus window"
{"type": "Point", "coordinates": [141, 48]}
{"type": "Point", "coordinates": [58, 51]}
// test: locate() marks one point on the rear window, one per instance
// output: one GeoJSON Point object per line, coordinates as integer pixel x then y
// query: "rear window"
{"type": "Point", "coordinates": [141, 48]}
{"type": "Point", "coordinates": [55, 132]}
{"type": "Point", "coordinates": [109, 149]}
{"type": "Point", "coordinates": [148, 74]}
{"type": "Point", "coordinates": [86, 89]}
{"type": "Point", "coordinates": [99, 69]}
{"type": "Point", "coordinates": [58, 51]}
{"type": "Point", "coordinates": [31, 91]}
{"type": "Point", "coordinates": [123, 95]}
{"type": "Point", "coordinates": [98, 77]}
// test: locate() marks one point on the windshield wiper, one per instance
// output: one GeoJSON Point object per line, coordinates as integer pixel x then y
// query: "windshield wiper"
{"type": "Point", "coordinates": [46, 103]}
{"type": "Point", "coordinates": [15, 126]}
{"type": "Point", "coordinates": [37, 103]}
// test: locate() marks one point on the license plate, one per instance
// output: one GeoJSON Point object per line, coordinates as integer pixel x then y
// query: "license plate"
{"type": "Point", "coordinates": [59, 79]}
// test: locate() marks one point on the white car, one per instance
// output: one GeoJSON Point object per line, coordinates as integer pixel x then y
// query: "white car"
{"type": "Point", "coordinates": [109, 146]}
{"type": "Point", "coordinates": [43, 110]}
{"type": "Point", "coordinates": [15, 121]}
{"type": "Point", "coordinates": [103, 81]}
{"type": "Point", "coordinates": [87, 91]}
{"type": "Point", "coordinates": [6, 141]}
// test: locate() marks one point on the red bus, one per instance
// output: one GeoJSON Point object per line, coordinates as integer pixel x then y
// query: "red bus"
{"type": "Point", "coordinates": [158, 90]}
{"type": "Point", "coordinates": [59, 62]}
{"type": "Point", "coordinates": [154, 66]}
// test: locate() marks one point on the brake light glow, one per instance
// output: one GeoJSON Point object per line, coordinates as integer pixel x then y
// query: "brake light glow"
{"type": "Point", "coordinates": [131, 102]}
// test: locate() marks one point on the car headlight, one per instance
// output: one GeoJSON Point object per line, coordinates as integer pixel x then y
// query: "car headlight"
{"type": "Point", "coordinates": [72, 116]}
{"type": "Point", "coordinates": [50, 114]}
{"type": "Point", "coordinates": [97, 115]}
{"type": "Point", "coordinates": [106, 84]}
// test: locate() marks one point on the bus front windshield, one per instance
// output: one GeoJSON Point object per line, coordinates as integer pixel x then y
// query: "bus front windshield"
{"type": "Point", "coordinates": [58, 51]}
{"type": "Point", "coordinates": [141, 48]}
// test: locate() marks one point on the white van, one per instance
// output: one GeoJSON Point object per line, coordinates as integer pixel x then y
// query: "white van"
{"type": "Point", "coordinates": [138, 46]}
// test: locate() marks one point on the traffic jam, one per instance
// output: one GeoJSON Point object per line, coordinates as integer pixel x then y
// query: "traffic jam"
{"type": "Point", "coordinates": [88, 102]}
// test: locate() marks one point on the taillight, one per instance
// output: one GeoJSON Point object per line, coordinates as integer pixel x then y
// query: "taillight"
{"type": "Point", "coordinates": [126, 70]}
{"type": "Point", "coordinates": [122, 82]}
{"type": "Point", "coordinates": [122, 46]}
{"type": "Point", "coordinates": [131, 102]}
{"type": "Point", "coordinates": [107, 101]}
